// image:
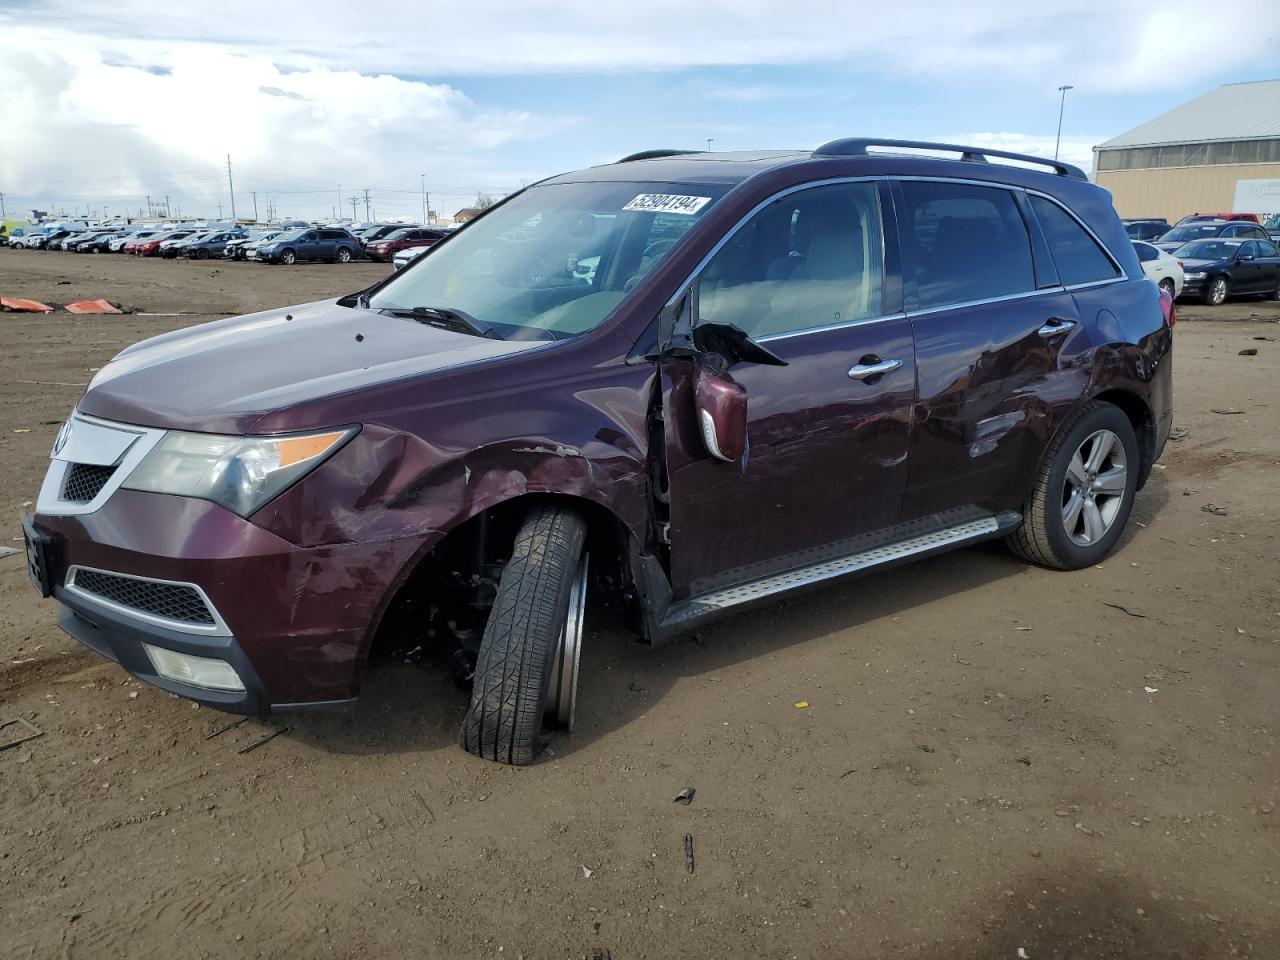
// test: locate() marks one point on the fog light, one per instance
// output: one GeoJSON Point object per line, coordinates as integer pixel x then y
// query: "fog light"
{"type": "Point", "coordinates": [197, 671]}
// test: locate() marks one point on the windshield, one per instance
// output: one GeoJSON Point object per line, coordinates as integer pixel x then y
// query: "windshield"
{"type": "Point", "coordinates": [1272, 222]}
{"type": "Point", "coordinates": [396, 235]}
{"type": "Point", "coordinates": [1209, 249]}
{"type": "Point", "coordinates": [290, 236]}
{"type": "Point", "coordinates": [1193, 231]}
{"type": "Point", "coordinates": [555, 260]}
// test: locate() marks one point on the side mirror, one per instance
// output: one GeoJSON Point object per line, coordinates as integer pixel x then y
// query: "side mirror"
{"type": "Point", "coordinates": [721, 404]}
{"type": "Point", "coordinates": [1245, 256]}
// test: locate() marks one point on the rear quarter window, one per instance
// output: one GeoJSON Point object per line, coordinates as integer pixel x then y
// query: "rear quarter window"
{"type": "Point", "coordinates": [969, 242]}
{"type": "Point", "coordinates": [1077, 255]}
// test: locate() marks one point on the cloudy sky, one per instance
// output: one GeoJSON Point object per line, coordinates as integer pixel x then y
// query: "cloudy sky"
{"type": "Point", "coordinates": [102, 104]}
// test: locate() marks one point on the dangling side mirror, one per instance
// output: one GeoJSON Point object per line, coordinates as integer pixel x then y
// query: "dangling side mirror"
{"type": "Point", "coordinates": [721, 404]}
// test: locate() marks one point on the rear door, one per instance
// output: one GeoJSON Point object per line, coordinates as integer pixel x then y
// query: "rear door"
{"type": "Point", "coordinates": [1269, 265]}
{"type": "Point", "coordinates": [826, 464]}
{"type": "Point", "coordinates": [995, 331]}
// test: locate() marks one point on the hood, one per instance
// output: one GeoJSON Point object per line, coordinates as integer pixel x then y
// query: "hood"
{"type": "Point", "coordinates": [1189, 265]}
{"type": "Point", "coordinates": [221, 377]}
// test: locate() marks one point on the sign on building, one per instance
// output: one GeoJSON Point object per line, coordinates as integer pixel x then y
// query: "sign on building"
{"type": "Point", "coordinates": [1257, 196]}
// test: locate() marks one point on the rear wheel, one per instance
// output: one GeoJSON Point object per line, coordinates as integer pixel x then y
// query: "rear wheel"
{"type": "Point", "coordinates": [1084, 493]}
{"type": "Point", "coordinates": [526, 674]}
{"type": "Point", "coordinates": [344, 255]}
{"type": "Point", "coordinates": [1216, 293]}
{"type": "Point", "coordinates": [1167, 285]}
{"type": "Point", "coordinates": [202, 254]}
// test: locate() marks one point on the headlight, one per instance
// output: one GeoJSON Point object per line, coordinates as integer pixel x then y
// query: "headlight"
{"type": "Point", "coordinates": [241, 473]}
{"type": "Point", "coordinates": [1195, 275]}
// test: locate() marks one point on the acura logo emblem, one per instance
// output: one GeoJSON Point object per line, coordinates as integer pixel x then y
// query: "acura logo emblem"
{"type": "Point", "coordinates": [60, 441]}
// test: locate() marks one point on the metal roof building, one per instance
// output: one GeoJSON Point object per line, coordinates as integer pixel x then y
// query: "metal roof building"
{"type": "Point", "coordinates": [1217, 153]}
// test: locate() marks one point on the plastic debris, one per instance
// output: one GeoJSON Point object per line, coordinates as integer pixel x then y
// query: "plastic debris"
{"type": "Point", "coordinates": [688, 851]}
{"type": "Point", "coordinates": [685, 796]}
{"type": "Point", "coordinates": [1225, 411]}
{"type": "Point", "coordinates": [586, 871]}
{"type": "Point", "coordinates": [1022, 954]}
{"type": "Point", "coordinates": [91, 306]}
{"type": "Point", "coordinates": [1248, 352]}
{"type": "Point", "coordinates": [30, 732]}
{"type": "Point", "coordinates": [1216, 510]}
{"type": "Point", "coordinates": [802, 704]}
{"type": "Point", "coordinates": [1151, 689]}
{"type": "Point", "coordinates": [265, 738]}
{"type": "Point", "coordinates": [19, 305]}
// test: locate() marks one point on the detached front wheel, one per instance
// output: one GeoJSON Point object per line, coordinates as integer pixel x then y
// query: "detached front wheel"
{"type": "Point", "coordinates": [526, 676]}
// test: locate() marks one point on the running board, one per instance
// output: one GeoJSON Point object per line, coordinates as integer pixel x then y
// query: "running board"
{"type": "Point", "coordinates": [689, 613]}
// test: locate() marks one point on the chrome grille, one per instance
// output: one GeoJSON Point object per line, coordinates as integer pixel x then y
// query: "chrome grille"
{"type": "Point", "coordinates": [171, 601]}
{"type": "Point", "coordinates": [84, 481]}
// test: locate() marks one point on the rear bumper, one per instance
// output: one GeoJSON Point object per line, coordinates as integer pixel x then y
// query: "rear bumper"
{"type": "Point", "coordinates": [298, 620]}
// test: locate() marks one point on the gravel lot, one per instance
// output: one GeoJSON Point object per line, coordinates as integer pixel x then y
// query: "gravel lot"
{"type": "Point", "coordinates": [993, 757]}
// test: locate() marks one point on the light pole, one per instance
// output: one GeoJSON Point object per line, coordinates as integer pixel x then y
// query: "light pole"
{"type": "Point", "coordinates": [710, 141]}
{"type": "Point", "coordinates": [1061, 107]}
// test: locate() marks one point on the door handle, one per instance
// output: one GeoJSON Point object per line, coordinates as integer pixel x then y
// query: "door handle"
{"type": "Point", "coordinates": [1056, 325]}
{"type": "Point", "coordinates": [877, 368]}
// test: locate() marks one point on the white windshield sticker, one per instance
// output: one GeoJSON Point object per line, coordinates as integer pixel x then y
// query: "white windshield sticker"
{"type": "Point", "coordinates": [667, 203]}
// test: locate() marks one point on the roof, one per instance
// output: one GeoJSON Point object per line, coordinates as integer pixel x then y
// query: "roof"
{"type": "Point", "coordinates": [1234, 111]}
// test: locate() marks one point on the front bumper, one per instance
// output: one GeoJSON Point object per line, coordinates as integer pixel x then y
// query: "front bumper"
{"type": "Point", "coordinates": [1193, 288]}
{"type": "Point", "coordinates": [298, 619]}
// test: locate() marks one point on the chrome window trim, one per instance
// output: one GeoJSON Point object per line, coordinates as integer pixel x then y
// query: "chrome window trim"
{"type": "Point", "coordinates": [769, 338]}
{"type": "Point", "coordinates": [218, 628]}
{"type": "Point", "coordinates": [683, 288]}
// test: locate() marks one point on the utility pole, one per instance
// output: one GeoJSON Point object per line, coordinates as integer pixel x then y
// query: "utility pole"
{"type": "Point", "coordinates": [424, 199]}
{"type": "Point", "coordinates": [354, 201]}
{"type": "Point", "coordinates": [710, 141]}
{"type": "Point", "coordinates": [366, 203]}
{"type": "Point", "coordinates": [1, 206]}
{"type": "Point", "coordinates": [166, 206]}
{"type": "Point", "coordinates": [1061, 107]}
{"type": "Point", "coordinates": [219, 209]}
{"type": "Point", "coordinates": [149, 213]}
{"type": "Point", "coordinates": [255, 205]}
{"type": "Point", "coordinates": [340, 203]}
{"type": "Point", "coordinates": [231, 184]}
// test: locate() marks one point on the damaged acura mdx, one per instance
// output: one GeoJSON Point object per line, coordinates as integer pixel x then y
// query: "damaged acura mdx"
{"type": "Point", "coordinates": [690, 382]}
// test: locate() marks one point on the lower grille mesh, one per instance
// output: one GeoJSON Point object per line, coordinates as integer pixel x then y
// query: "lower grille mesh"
{"type": "Point", "coordinates": [84, 481]}
{"type": "Point", "coordinates": [173, 601]}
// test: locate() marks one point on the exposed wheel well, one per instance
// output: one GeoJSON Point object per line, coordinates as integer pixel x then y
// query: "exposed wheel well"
{"type": "Point", "coordinates": [445, 599]}
{"type": "Point", "coordinates": [1144, 426]}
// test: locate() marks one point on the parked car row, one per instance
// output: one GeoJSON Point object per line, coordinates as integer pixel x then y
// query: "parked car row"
{"type": "Point", "coordinates": [287, 245]}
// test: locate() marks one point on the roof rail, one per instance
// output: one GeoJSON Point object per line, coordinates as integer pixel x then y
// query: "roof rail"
{"type": "Point", "coordinates": [857, 147]}
{"type": "Point", "coordinates": [656, 154]}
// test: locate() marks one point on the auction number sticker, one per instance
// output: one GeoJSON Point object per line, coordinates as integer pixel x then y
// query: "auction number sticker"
{"type": "Point", "coordinates": [667, 203]}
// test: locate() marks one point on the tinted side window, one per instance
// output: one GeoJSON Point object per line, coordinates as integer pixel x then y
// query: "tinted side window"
{"type": "Point", "coordinates": [810, 259]}
{"type": "Point", "coordinates": [1250, 249]}
{"type": "Point", "coordinates": [1078, 256]}
{"type": "Point", "coordinates": [331, 235]}
{"type": "Point", "coordinates": [970, 243]}
{"type": "Point", "coordinates": [1268, 248]}
{"type": "Point", "coordinates": [1146, 252]}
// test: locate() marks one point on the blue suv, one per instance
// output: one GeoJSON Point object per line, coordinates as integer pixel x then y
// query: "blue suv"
{"type": "Point", "coordinates": [314, 243]}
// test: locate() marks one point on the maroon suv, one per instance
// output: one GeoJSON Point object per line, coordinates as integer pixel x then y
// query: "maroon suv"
{"type": "Point", "coordinates": [719, 378]}
{"type": "Point", "coordinates": [393, 243]}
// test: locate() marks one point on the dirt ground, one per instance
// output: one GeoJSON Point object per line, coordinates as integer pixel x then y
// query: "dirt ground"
{"type": "Point", "coordinates": [993, 756]}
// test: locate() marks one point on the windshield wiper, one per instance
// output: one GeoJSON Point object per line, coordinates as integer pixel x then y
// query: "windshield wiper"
{"type": "Point", "coordinates": [448, 318]}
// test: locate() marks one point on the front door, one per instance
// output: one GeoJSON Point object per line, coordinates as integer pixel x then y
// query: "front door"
{"type": "Point", "coordinates": [826, 463]}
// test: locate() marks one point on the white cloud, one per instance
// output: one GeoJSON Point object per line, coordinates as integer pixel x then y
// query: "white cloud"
{"type": "Point", "coordinates": [1073, 149]}
{"type": "Point", "coordinates": [135, 95]}
{"type": "Point", "coordinates": [121, 121]}
{"type": "Point", "coordinates": [1097, 44]}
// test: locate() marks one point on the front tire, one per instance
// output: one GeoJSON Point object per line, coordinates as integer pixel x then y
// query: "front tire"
{"type": "Point", "coordinates": [526, 671]}
{"type": "Point", "coordinates": [1084, 491]}
{"type": "Point", "coordinates": [288, 258]}
{"type": "Point", "coordinates": [1216, 293]}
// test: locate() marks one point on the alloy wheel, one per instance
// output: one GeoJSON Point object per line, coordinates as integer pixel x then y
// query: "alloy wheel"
{"type": "Point", "coordinates": [1218, 292]}
{"type": "Point", "coordinates": [562, 690]}
{"type": "Point", "coordinates": [1093, 492]}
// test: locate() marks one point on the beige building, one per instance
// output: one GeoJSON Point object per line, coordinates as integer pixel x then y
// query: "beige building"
{"type": "Point", "coordinates": [1219, 153]}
